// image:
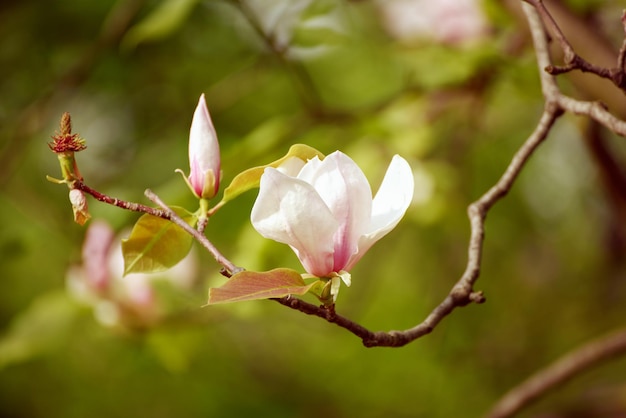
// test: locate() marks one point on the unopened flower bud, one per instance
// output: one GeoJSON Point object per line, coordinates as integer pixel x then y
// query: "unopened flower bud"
{"type": "Point", "coordinates": [65, 144]}
{"type": "Point", "coordinates": [204, 154]}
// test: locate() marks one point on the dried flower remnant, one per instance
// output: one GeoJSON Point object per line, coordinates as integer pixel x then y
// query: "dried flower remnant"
{"type": "Point", "coordinates": [79, 206]}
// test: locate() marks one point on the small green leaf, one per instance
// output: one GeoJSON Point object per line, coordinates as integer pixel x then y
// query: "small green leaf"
{"type": "Point", "coordinates": [250, 178]}
{"type": "Point", "coordinates": [156, 244]}
{"type": "Point", "coordinates": [252, 285]}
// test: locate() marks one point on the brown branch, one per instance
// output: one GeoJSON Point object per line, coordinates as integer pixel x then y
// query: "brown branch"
{"type": "Point", "coordinates": [135, 207]}
{"type": "Point", "coordinates": [572, 60]}
{"type": "Point", "coordinates": [596, 111]}
{"type": "Point", "coordinates": [564, 369]}
{"type": "Point", "coordinates": [595, 352]}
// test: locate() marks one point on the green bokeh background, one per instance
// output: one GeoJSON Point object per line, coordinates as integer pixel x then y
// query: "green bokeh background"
{"type": "Point", "coordinates": [130, 73]}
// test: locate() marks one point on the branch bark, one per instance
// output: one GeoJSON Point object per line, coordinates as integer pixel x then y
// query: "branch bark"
{"type": "Point", "coordinates": [572, 60]}
{"type": "Point", "coordinates": [561, 371]}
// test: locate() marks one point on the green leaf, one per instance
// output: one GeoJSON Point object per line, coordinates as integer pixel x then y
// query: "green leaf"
{"type": "Point", "coordinates": [156, 244]}
{"type": "Point", "coordinates": [252, 285]}
{"type": "Point", "coordinates": [251, 178]}
{"type": "Point", "coordinates": [168, 16]}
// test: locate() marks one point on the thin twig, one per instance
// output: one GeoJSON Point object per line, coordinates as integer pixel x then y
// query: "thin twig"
{"type": "Point", "coordinates": [229, 267]}
{"type": "Point", "coordinates": [568, 51]}
{"type": "Point", "coordinates": [166, 213]}
{"type": "Point", "coordinates": [596, 111]}
{"type": "Point", "coordinates": [135, 207]}
{"type": "Point", "coordinates": [574, 363]}
{"type": "Point", "coordinates": [572, 60]}
{"type": "Point", "coordinates": [551, 92]}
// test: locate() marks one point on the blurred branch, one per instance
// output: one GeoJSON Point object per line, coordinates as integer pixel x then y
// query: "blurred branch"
{"type": "Point", "coordinates": [577, 361]}
{"type": "Point", "coordinates": [572, 60]}
{"type": "Point", "coordinates": [605, 348]}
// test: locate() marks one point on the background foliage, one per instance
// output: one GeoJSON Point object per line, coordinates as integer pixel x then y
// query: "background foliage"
{"type": "Point", "coordinates": [330, 76]}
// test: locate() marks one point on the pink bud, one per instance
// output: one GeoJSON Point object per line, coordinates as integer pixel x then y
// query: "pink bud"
{"type": "Point", "coordinates": [204, 154]}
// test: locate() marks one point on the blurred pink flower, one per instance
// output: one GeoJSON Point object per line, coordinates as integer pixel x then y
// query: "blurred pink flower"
{"type": "Point", "coordinates": [98, 241]}
{"type": "Point", "coordinates": [325, 212]}
{"type": "Point", "coordinates": [119, 299]}
{"type": "Point", "coordinates": [446, 21]}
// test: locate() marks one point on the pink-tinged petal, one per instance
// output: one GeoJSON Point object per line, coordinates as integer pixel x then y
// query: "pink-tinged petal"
{"type": "Point", "coordinates": [344, 188]}
{"type": "Point", "coordinates": [95, 254]}
{"type": "Point", "coordinates": [290, 211]}
{"type": "Point", "coordinates": [204, 152]}
{"type": "Point", "coordinates": [389, 205]}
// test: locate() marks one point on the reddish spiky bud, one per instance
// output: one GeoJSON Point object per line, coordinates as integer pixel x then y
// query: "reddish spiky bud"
{"type": "Point", "coordinates": [65, 140]}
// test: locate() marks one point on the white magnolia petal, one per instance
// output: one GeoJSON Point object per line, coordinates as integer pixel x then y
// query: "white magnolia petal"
{"type": "Point", "coordinates": [344, 188]}
{"type": "Point", "coordinates": [290, 211]}
{"type": "Point", "coordinates": [389, 205]}
{"type": "Point", "coordinates": [291, 166]}
{"type": "Point", "coordinates": [310, 169]}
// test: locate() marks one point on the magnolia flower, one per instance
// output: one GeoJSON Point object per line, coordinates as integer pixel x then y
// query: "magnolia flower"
{"type": "Point", "coordinates": [325, 212]}
{"type": "Point", "coordinates": [204, 154]}
{"type": "Point", "coordinates": [117, 299]}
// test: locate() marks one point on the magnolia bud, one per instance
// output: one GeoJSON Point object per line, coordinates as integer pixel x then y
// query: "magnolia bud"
{"type": "Point", "coordinates": [79, 206]}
